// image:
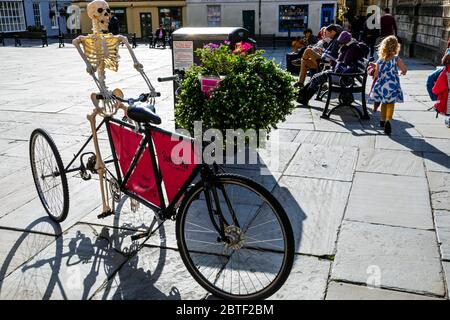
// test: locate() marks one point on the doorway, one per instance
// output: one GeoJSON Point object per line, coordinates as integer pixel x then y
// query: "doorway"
{"type": "Point", "coordinates": [327, 15]}
{"type": "Point", "coordinates": [146, 24]}
{"type": "Point", "coordinates": [248, 21]}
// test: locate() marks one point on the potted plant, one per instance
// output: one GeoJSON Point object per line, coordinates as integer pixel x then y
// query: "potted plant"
{"type": "Point", "coordinates": [249, 91]}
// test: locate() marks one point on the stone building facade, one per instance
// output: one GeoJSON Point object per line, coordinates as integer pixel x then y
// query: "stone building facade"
{"type": "Point", "coordinates": [424, 27]}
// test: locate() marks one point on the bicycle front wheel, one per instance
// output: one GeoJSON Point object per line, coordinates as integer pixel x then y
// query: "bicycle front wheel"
{"type": "Point", "coordinates": [49, 175]}
{"type": "Point", "coordinates": [256, 256]}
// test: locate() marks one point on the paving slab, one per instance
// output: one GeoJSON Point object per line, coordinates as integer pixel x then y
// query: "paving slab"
{"type": "Point", "coordinates": [271, 158]}
{"type": "Point", "coordinates": [155, 274]}
{"type": "Point", "coordinates": [345, 291]}
{"type": "Point", "coordinates": [296, 126]}
{"type": "Point", "coordinates": [17, 247]}
{"type": "Point", "coordinates": [315, 222]}
{"type": "Point", "coordinates": [72, 267]}
{"type": "Point", "coordinates": [391, 200]}
{"type": "Point", "coordinates": [335, 139]}
{"type": "Point", "coordinates": [328, 162]}
{"type": "Point", "coordinates": [84, 198]}
{"type": "Point", "coordinates": [420, 117]}
{"type": "Point", "coordinates": [440, 190]}
{"type": "Point", "coordinates": [403, 143]}
{"type": "Point", "coordinates": [438, 145]}
{"type": "Point", "coordinates": [446, 266]}
{"type": "Point", "coordinates": [307, 281]}
{"type": "Point", "coordinates": [399, 128]}
{"type": "Point", "coordinates": [434, 130]}
{"type": "Point", "coordinates": [442, 219]}
{"type": "Point", "coordinates": [391, 162]}
{"type": "Point", "coordinates": [439, 162]}
{"type": "Point", "coordinates": [390, 257]}
{"type": "Point", "coordinates": [285, 135]}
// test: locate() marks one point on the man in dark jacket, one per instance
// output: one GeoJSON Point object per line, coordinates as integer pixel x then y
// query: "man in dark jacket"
{"type": "Point", "coordinates": [160, 35]}
{"type": "Point", "coordinates": [114, 24]}
{"type": "Point", "coordinates": [350, 52]}
{"type": "Point", "coordinates": [388, 24]}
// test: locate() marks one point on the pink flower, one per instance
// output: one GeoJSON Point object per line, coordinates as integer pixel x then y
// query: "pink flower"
{"type": "Point", "coordinates": [242, 47]}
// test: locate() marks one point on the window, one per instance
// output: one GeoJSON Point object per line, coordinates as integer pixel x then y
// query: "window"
{"type": "Point", "coordinates": [293, 18]}
{"type": "Point", "coordinates": [213, 16]}
{"type": "Point", "coordinates": [170, 17]}
{"type": "Point", "coordinates": [12, 17]}
{"type": "Point", "coordinates": [53, 14]}
{"type": "Point", "coordinates": [37, 14]}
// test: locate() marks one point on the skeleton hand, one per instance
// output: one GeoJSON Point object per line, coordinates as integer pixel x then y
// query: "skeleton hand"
{"type": "Point", "coordinates": [138, 66]}
{"type": "Point", "coordinates": [90, 69]}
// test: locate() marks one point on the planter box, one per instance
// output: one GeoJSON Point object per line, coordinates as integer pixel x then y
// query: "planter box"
{"type": "Point", "coordinates": [209, 83]}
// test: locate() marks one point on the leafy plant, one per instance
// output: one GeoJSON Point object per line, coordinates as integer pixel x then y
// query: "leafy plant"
{"type": "Point", "coordinates": [255, 93]}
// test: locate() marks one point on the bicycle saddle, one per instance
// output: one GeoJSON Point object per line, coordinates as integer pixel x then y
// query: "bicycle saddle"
{"type": "Point", "coordinates": [143, 114]}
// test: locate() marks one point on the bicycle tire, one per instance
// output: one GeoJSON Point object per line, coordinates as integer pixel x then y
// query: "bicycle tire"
{"type": "Point", "coordinates": [195, 194]}
{"type": "Point", "coordinates": [63, 208]}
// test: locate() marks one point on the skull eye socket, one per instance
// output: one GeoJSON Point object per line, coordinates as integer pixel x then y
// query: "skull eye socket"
{"type": "Point", "coordinates": [100, 10]}
{"type": "Point", "coordinates": [108, 10]}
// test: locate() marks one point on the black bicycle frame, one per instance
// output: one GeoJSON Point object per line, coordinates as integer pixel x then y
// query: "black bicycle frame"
{"type": "Point", "coordinates": [167, 210]}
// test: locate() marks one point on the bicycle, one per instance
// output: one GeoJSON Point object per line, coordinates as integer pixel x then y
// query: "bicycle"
{"type": "Point", "coordinates": [233, 235]}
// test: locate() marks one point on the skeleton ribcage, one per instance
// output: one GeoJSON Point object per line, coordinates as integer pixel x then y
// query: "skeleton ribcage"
{"type": "Point", "coordinates": [102, 49]}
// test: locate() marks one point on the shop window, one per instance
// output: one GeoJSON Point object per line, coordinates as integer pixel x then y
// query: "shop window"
{"type": "Point", "coordinates": [293, 18]}
{"type": "Point", "coordinates": [170, 17]}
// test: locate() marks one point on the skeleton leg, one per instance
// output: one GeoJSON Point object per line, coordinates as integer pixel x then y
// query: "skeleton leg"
{"type": "Point", "coordinates": [99, 164]}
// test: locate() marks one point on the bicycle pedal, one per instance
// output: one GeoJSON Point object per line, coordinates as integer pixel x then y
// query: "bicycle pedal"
{"type": "Point", "coordinates": [105, 214]}
{"type": "Point", "coordinates": [139, 236]}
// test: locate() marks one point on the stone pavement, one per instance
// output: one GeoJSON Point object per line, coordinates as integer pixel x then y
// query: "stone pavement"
{"type": "Point", "coordinates": [365, 208]}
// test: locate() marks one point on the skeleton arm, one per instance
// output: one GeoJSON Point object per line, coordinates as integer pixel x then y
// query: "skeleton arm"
{"type": "Point", "coordinates": [137, 65]}
{"type": "Point", "coordinates": [77, 43]}
{"type": "Point", "coordinates": [89, 68]}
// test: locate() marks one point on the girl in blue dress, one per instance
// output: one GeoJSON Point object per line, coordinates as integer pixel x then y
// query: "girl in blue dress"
{"type": "Point", "coordinates": [387, 89]}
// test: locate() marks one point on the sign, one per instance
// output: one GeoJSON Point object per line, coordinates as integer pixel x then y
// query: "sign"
{"type": "Point", "coordinates": [183, 54]}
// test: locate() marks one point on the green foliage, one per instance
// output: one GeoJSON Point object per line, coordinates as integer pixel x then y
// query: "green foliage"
{"type": "Point", "coordinates": [255, 93]}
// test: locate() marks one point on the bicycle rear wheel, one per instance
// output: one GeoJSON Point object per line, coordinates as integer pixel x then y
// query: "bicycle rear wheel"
{"type": "Point", "coordinates": [49, 175]}
{"type": "Point", "coordinates": [257, 257]}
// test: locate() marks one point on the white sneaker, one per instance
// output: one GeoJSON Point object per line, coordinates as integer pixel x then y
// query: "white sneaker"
{"type": "Point", "coordinates": [447, 122]}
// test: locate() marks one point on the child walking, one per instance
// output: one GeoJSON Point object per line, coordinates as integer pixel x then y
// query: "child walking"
{"type": "Point", "coordinates": [387, 89]}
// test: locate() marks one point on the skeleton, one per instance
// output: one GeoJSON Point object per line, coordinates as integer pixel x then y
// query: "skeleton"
{"type": "Point", "coordinates": [100, 51]}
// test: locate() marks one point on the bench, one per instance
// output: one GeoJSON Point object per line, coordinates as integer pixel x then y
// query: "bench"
{"type": "Point", "coordinates": [18, 36]}
{"type": "Point", "coordinates": [346, 84]}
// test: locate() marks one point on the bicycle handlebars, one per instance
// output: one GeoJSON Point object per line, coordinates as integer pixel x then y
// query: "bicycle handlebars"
{"type": "Point", "coordinates": [171, 78]}
{"type": "Point", "coordinates": [142, 98]}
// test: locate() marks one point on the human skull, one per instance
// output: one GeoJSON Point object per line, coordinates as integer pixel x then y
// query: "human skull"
{"type": "Point", "coordinates": [98, 11]}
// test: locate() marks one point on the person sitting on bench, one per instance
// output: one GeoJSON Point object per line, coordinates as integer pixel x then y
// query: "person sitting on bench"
{"type": "Point", "coordinates": [160, 35]}
{"type": "Point", "coordinates": [312, 55]}
{"type": "Point", "coordinates": [350, 52]}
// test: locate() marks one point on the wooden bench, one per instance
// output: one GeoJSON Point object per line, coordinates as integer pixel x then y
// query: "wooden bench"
{"type": "Point", "coordinates": [346, 84]}
{"type": "Point", "coordinates": [18, 36]}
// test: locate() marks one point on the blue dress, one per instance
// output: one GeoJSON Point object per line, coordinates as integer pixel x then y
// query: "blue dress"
{"type": "Point", "coordinates": [387, 88]}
